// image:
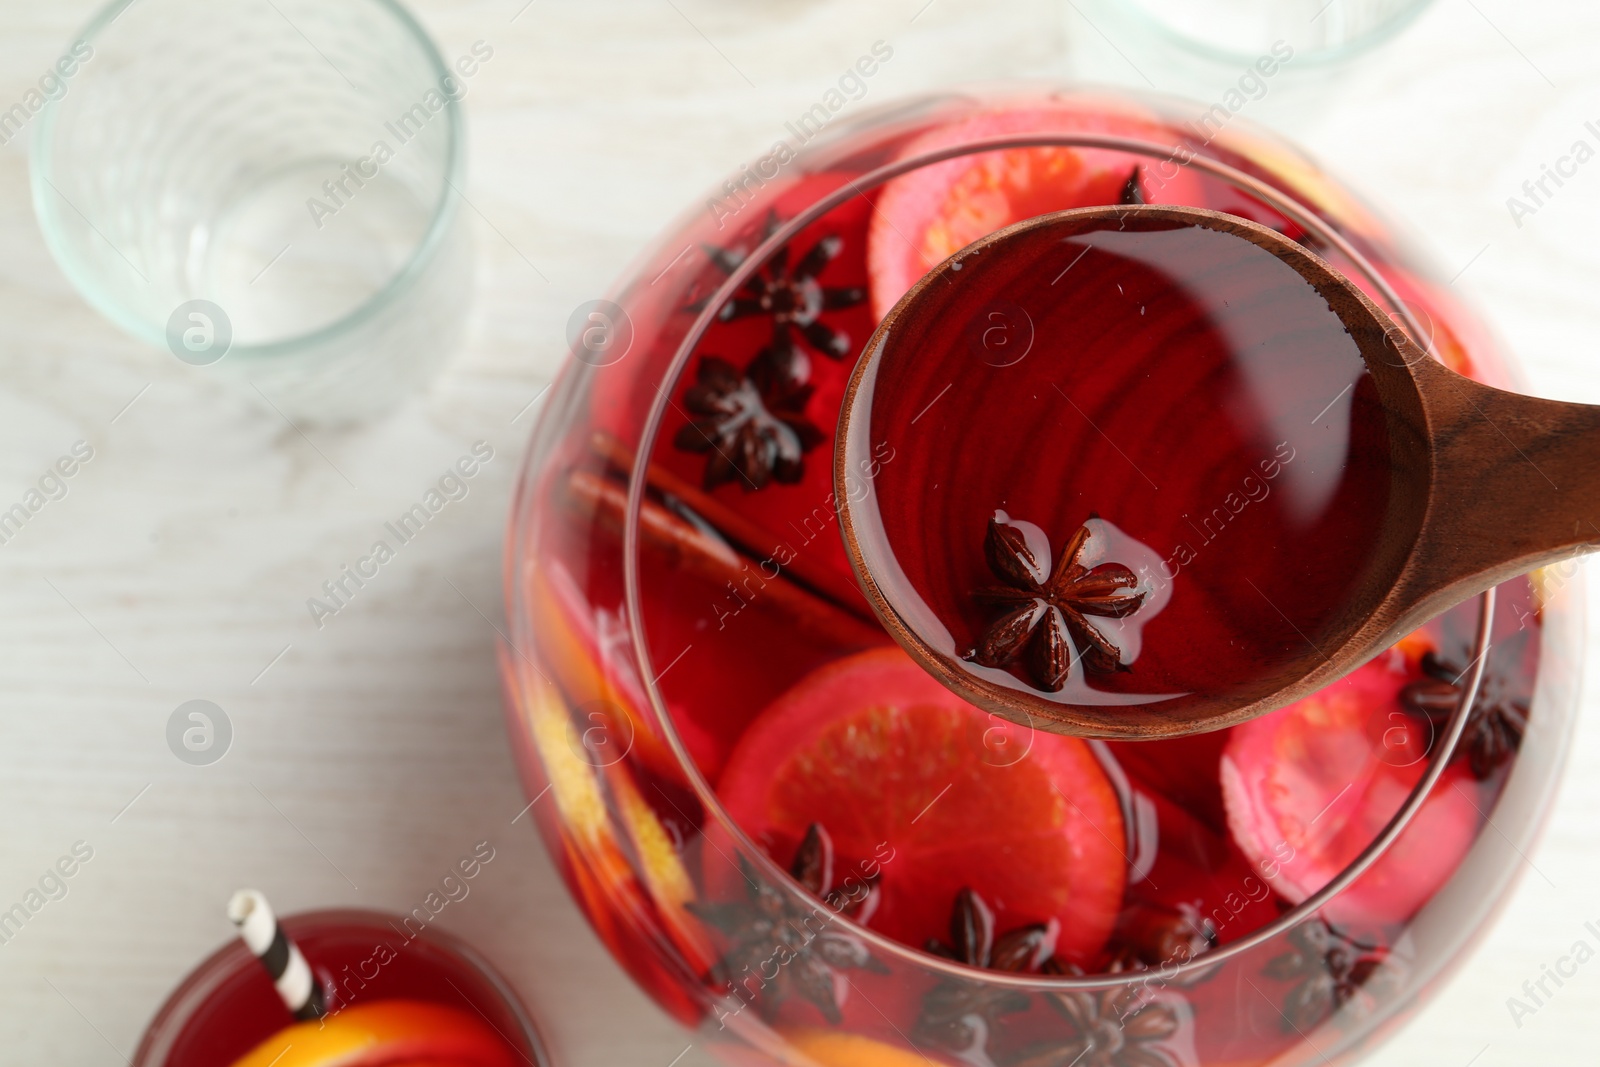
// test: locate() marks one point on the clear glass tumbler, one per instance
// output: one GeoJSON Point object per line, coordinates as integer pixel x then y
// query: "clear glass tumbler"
{"type": "Point", "coordinates": [268, 190]}
{"type": "Point", "coordinates": [1238, 31]}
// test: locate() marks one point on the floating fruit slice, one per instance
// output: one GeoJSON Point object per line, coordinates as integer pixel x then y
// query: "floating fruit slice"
{"type": "Point", "coordinates": [834, 1048]}
{"type": "Point", "coordinates": [585, 651]}
{"type": "Point", "coordinates": [582, 835]}
{"type": "Point", "coordinates": [386, 1034]}
{"type": "Point", "coordinates": [1308, 787]}
{"type": "Point", "coordinates": [658, 852]}
{"type": "Point", "coordinates": [933, 795]}
{"type": "Point", "coordinates": [1184, 769]}
{"type": "Point", "coordinates": [930, 213]}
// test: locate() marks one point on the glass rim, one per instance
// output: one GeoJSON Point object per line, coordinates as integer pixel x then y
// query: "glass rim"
{"type": "Point", "coordinates": [632, 600]}
{"type": "Point", "coordinates": [1203, 49]}
{"type": "Point", "coordinates": [180, 1004]}
{"type": "Point", "coordinates": [442, 217]}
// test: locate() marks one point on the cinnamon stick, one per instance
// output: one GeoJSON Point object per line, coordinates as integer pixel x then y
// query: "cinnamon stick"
{"type": "Point", "coordinates": [750, 536]}
{"type": "Point", "coordinates": [678, 542]}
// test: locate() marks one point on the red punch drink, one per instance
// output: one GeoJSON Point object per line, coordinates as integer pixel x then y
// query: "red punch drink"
{"type": "Point", "coordinates": [803, 844]}
{"type": "Point", "coordinates": [391, 997]}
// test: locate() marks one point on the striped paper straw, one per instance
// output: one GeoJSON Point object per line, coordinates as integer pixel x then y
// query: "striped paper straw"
{"type": "Point", "coordinates": [259, 930]}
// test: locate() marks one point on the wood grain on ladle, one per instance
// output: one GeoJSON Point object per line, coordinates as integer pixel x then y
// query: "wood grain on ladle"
{"type": "Point", "coordinates": [1161, 470]}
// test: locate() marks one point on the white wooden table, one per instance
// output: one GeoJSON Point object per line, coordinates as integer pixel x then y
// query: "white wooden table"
{"type": "Point", "coordinates": [369, 755]}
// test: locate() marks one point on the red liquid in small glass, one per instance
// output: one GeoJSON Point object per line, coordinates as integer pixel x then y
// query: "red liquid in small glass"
{"type": "Point", "coordinates": [229, 1005]}
{"type": "Point", "coordinates": [1183, 386]}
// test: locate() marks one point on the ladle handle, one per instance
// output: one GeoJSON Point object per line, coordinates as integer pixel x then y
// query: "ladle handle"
{"type": "Point", "coordinates": [1515, 486]}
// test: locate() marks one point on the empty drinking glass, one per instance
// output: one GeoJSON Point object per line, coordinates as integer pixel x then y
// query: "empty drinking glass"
{"type": "Point", "coordinates": [269, 186]}
{"type": "Point", "coordinates": [1237, 31]}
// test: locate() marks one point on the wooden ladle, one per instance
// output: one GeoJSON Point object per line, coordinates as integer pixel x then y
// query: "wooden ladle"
{"type": "Point", "coordinates": [1479, 485]}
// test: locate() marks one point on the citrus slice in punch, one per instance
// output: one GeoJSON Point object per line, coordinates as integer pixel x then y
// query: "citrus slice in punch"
{"type": "Point", "coordinates": [834, 1048]}
{"type": "Point", "coordinates": [929, 214]}
{"type": "Point", "coordinates": [387, 1033]}
{"type": "Point", "coordinates": [932, 795]}
{"type": "Point", "coordinates": [1309, 786]}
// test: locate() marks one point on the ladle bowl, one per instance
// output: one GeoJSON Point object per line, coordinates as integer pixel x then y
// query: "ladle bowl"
{"type": "Point", "coordinates": [1449, 486]}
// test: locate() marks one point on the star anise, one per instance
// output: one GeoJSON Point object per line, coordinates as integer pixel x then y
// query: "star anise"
{"type": "Point", "coordinates": [1154, 935]}
{"type": "Point", "coordinates": [795, 300]}
{"type": "Point", "coordinates": [1045, 607]}
{"type": "Point", "coordinates": [1120, 1027]}
{"type": "Point", "coordinates": [958, 1013]}
{"type": "Point", "coordinates": [1495, 724]}
{"type": "Point", "coordinates": [1330, 971]}
{"type": "Point", "coordinates": [783, 944]}
{"type": "Point", "coordinates": [753, 424]}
